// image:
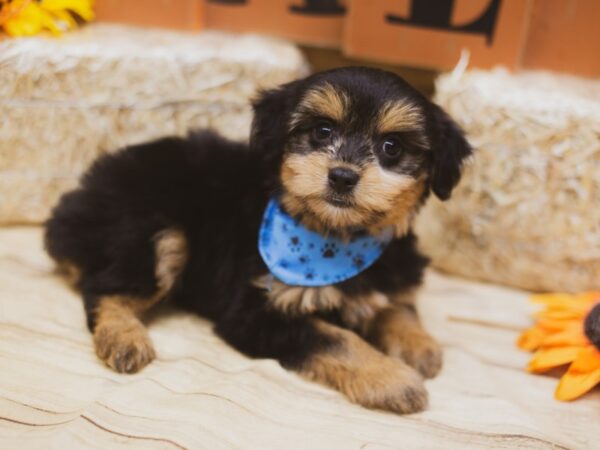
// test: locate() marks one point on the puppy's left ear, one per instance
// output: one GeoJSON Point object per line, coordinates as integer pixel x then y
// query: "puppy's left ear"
{"type": "Point", "coordinates": [269, 125]}
{"type": "Point", "coordinates": [450, 149]}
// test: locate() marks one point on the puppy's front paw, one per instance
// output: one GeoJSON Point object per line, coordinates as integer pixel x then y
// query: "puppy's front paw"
{"type": "Point", "coordinates": [423, 353]}
{"type": "Point", "coordinates": [125, 347]}
{"type": "Point", "coordinates": [372, 380]}
{"type": "Point", "coordinates": [397, 333]}
{"type": "Point", "coordinates": [395, 387]}
{"type": "Point", "coordinates": [363, 374]}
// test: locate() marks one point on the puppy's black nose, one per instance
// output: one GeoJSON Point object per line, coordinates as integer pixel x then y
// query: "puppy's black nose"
{"type": "Point", "coordinates": [342, 180]}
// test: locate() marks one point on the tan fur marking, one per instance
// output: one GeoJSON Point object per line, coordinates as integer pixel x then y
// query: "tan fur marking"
{"type": "Point", "coordinates": [325, 101]}
{"type": "Point", "coordinates": [334, 217]}
{"type": "Point", "coordinates": [70, 272]}
{"type": "Point", "coordinates": [120, 338]}
{"type": "Point", "coordinates": [394, 194]}
{"type": "Point", "coordinates": [399, 116]}
{"type": "Point", "coordinates": [404, 298]}
{"type": "Point", "coordinates": [358, 312]}
{"type": "Point", "coordinates": [398, 333]}
{"type": "Point", "coordinates": [306, 175]}
{"type": "Point", "coordinates": [364, 375]}
{"type": "Point", "coordinates": [380, 190]}
{"type": "Point", "coordinates": [171, 256]}
{"type": "Point", "coordinates": [298, 300]}
{"type": "Point", "coordinates": [305, 180]}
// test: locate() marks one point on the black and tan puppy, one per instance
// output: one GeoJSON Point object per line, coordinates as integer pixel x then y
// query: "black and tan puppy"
{"type": "Point", "coordinates": [346, 152]}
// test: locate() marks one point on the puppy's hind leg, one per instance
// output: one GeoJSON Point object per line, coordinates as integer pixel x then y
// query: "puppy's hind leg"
{"type": "Point", "coordinates": [363, 374]}
{"type": "Point", "coordinates": [326, 353]}
{"type": "Point", "coordinates": [120, 338]}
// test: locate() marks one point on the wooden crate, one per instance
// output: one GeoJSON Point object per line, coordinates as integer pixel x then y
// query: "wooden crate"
{"type": "Point", "coordinates": [175, 14]}
{"type": "Point", "coordinates": [432, 33]}
{"type": "Point", "coordinates": [313, 22]}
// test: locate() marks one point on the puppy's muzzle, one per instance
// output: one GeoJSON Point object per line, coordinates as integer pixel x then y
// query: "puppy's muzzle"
{"type": "Point", "coordinates": [342, 180]}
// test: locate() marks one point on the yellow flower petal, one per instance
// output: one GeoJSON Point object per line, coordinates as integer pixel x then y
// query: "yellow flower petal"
{"type": "Point", "coordinates": [559, 338]}
{"type": "Point", "coordinates": [590, 297]}
{"type": "Point", "coordinates": [82, 8]}
{"type": "Point", "coordinates": [548, 358]}
{"type": "Point", "coordinates": [30, 20]}
{"type": "Point", "coordinates": [562, 299]}
{"type": "Point", "coordinates": [31, 17]}
{"type": "Point", "coordinates": [582, 375]}
{"type": "Point", "coordinates": [562, 314]}
{"type": "Point", "coordinates": [575, 385]}
{"type": "Point", "coordinates": [571, 336]}
{"type": "Point", "coordinates": [532, 338]}
{"type": "Point", "coordinates": [552, 299]}
{"type": "Point", "coordinates": [557, 325]}
{"type": "Point", "coordinates": [65, 19]}
{"type": "Point", "coordinates": [587, 360]}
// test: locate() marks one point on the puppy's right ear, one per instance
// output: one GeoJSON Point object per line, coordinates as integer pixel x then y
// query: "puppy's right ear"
{"type": "Point", "coordinates": [270, 124]}
{"type": "Point", "coordinates": [450, 150]}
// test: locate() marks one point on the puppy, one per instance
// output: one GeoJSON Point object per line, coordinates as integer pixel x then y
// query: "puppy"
{"type": "Point", "coordinates": [347, 157]}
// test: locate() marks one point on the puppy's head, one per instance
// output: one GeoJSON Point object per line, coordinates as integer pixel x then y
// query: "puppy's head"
{"type": "Point", "coordinates": [356, 148]}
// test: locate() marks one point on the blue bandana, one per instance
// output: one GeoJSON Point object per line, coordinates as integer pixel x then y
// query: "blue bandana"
{"type": "Point", "coordinates": [300, 257]}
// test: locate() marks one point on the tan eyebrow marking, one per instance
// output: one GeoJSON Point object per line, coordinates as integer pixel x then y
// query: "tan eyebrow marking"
{"type": "Point", "coordinates": [325, 101]}
{"type": "Point", "coordinates": [399, 116]}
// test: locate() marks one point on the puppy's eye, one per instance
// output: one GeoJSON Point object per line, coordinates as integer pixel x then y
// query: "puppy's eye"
{"type": "Point", "coordinates": [391, 147]}
{"type": "Point", "coordinates": [323, 131]}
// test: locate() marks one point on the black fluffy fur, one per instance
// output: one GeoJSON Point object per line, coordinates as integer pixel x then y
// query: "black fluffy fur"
{"type": "Point", "coordinates": [216, 191]}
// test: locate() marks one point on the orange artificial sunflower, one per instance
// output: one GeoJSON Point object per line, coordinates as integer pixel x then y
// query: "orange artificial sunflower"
{"type": "Point", "coordinates": [567, 332]}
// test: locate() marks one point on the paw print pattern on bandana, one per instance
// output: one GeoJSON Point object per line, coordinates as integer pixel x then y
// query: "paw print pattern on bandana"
{"type": "Point", "coordinates": [304, 259]}
{"type": "Point", "coordinates": [358, 261]}
{"type": "Point", "coordinates": [294, 244]}
{"type": "Point", "coordinates": [301, 257]}
{"type": "Point", "coordinates": [329, 250]}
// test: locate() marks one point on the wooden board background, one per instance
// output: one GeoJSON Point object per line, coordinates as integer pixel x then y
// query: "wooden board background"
{"type": "Point", "coordinates": [369, 34]}
{"type": "Point", "coordinates": [201, 394]}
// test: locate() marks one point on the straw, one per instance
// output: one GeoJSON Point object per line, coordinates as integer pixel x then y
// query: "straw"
{"type": "Point", "coordinates": [65, 101]}
{"type": "Point", "coordinates": [527, 212]}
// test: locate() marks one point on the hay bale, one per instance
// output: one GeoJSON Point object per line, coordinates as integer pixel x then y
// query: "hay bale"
{"type": "Point", "coordinates": [527, 212]}
{"type": "Point", "coordinates": [65, 101]}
